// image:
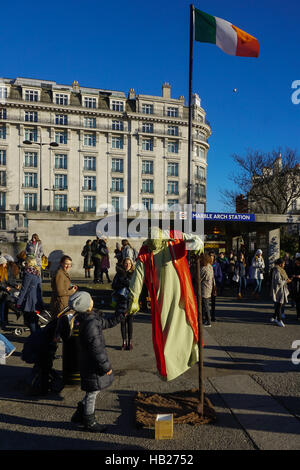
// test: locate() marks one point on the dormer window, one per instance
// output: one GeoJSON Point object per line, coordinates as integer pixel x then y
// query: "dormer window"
{"type": "Point", "coordinates": [117, 106]}
{"type": "Point", "coordinates": [31, 95]}
{"type": "Point", "coordinates": [90, 102]}
{"type": "Point", "coordinates": [61, 98]}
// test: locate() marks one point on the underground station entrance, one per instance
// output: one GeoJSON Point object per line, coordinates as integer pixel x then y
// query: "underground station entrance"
{"type": "Point", "coordinates": [246, 232]}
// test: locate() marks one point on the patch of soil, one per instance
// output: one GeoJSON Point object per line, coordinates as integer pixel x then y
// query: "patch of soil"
{"type": "Point", "coordinates": [183, 406]}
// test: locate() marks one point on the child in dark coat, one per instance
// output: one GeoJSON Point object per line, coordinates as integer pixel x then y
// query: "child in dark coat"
{"type": "Point", "coordinates": [95, 369]}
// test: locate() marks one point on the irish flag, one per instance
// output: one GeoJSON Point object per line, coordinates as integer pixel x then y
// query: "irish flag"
{"type": "Point", "coordinates": [225, 35]}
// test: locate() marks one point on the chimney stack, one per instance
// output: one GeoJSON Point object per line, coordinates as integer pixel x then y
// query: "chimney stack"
{"type": "Point", "coordinates": [166, 90]}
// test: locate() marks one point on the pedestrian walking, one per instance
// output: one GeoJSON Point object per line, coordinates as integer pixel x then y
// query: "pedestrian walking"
{"type": "Point", "coordinates": [295, 284]}
{"type": "Point", "coordinates": [207, 281]}
{"type": "Point", "coordinates": [280, 292]}
{"type": "Point", "coordinates": [217, 282]}
{"type": "Point", "coordinates": [240, 275]}
{"type": "Point", "coordinates": [87, 260]}
{"type": "Point", "coordinates": [62, 287]}
{"type": "Point", "coordinates": [121, 293]}
{"type": "Point", "coordinates": [231, 268]}
{"type": "Point", "coordinates": [118, 254]}
{"type": "Point", "coordinates": [128, 251]}
{"type": "Point", "coordinates": [257, 271]}
{"type": "Point", "coordinates": [223, 261]}
{"type": "Point", "coordinates": [95, 369]}
{"type": "Point", "coordinates": [8, 285]}
{"type": "Point", "coordinates": [30, 298]}
{"type": "Point", "coordinates": [35, 248]}
{"type": "Point", "coordinates": [104, 264]}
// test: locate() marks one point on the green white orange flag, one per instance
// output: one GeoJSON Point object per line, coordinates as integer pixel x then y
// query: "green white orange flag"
{"type": "Point", "coordinates": [225, 35]}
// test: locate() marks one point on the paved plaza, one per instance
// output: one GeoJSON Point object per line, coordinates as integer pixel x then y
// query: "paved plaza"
{"type": "Point", "coordinates": [249, 377]}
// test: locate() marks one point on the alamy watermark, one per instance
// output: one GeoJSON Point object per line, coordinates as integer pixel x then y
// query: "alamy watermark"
{"type": "Point", "coordinates": [296, 94]}
{"type": "Point", "coordinates": [296, 353]}
{"type": "Point", "coordinates": [137, 222]}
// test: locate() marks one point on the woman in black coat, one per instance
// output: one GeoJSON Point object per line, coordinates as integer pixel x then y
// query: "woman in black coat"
{"type": "Point", "coordinates": [95, 369]}
{"type": "Point", "coordinates": [120, 286]}
{"type": "Point", "coordinates": [30, 298]}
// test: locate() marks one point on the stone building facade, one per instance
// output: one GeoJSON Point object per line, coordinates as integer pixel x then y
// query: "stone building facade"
{"type": "Point", "coordinates": [79, 149]}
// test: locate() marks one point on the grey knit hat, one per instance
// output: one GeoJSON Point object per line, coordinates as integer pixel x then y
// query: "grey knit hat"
{"type": "Point", "coordinates": [80, 301]}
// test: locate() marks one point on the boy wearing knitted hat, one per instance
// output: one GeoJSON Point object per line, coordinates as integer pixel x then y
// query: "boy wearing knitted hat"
{"type": "Point", "coordinates": [95, 369]}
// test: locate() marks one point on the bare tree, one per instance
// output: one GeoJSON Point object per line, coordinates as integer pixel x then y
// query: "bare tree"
{"type": "Point", "coordinates": [270, 181]}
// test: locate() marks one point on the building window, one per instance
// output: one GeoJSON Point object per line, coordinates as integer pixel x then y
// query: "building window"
{"type": "Point", "coordinates": [89, 140]}
{"type": "Point", "coordinates": [172, 169]}
{"type": "Point", "coordinates": [3, 92]}
{"type": "Point", "coordinates": [31, 116]}
{"type": "Point", "coordinates": [147, 127]}
{"type": "Point", "coordinates": [60, 202]}
{"type": "Point", "coordinates": [2, 222]}
{"type": "Point", "coordinates": [89, 183]}
{"type": "Point", "coordinates": [147, 108]}
{"type": "Point", "coordinates": [200, 153]}
{"type": "Point", "coordinates": [147, 203]}
{"type": "Point", "coordinates": [117, 106]}
{"type": "Point", "coordinates": [2, 157]}
{"type": "Point", "coordinates": [30, 201]}
{"type": "Point", "coordinates": [117, 185]}
{"type": "Point", "coordinates": [117, 165]}
{"type": "Point", "coordinates": [173, 130]}
{"type": "Point", "coordinates": [31, 134]}
{"type": "Point", "coordinates": [30, 180]}
{"type": "Point", "coordinates": [89, 102]}
{"type": "Point", "coordinates": [147, 145]}
{"type": "Point", "coordinates": [147, 167]}
{"type": "Point", "coordinates": [200, 190]}
{"type": "Point", "coordinates": [61, 119]}
{"type": "Point", "coordinates": [147, 186]}
{"type": "Point", "coordinates": [2, 178]}
{"type": "Point", "coordinates": [89, 203]}
{"type": "Point", "coordinates": [115, 202]}
{"type": "Point", "coordinates": [3, 113]}
{"type": "Point", "coordinates": [61, 137]}
{"type": "Point", "coordinates": [172, 112]}
{"type": "Point", "coordinates": [172, 202]}
{"type": "Point", "coordinates": [117, 125]}
{"type": "Point", "coordinates": [294, 205]}
{"type": "Point", "coordinates": [31, 95]}
{"type": "Point", "coordinates": [200, 172]}
{"type": "Point", "coordinates": [30, 159]}
{"type": "Point", "coordinates": [61, 161]}
{"type": "Point", "coordinates": [117, 143]}
{"type": "Point", "coordinates": [61, 181]}
{"type": "Point", "coordinates": [172, 187]}
{"type": "Point", "coordinates": [89, 122]}
{"type": "Point", "coordinates": [61, 99]}
{"type": "Point", "coordinates": [3, 132]}
{"type": "Point", "coordinates": [173, 147]}
{"type": "Point", "coordinates": [89, 163]}
{"type": "Point", "coordinates": [2, 200]}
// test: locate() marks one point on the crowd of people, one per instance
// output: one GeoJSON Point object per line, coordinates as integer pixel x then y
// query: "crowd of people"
{"type": "Point", "coordinates": [69, 306]}
{"type": "Point", "coordinates": [245, 277]}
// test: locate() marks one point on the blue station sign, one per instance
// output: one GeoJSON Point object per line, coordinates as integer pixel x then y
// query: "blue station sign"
{"type": "Point", "coordinates": [223, 216]}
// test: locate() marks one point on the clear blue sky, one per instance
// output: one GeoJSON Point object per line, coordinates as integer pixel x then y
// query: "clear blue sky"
{"type": "Point", "coordinates": [132, 44]}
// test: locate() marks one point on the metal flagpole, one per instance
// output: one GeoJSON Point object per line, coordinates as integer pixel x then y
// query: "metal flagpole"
{"type": "Point", "coordinates": [189, 201]}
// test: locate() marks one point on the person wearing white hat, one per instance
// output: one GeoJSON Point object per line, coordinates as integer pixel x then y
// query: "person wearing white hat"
{"type": "Point", "coordinates": [257, 271]}
{"type": "Point", "coordinates": [95, 368]}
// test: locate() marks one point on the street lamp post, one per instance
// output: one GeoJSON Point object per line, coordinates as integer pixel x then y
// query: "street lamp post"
{"type": "Point", "coordinates": [51, 144]}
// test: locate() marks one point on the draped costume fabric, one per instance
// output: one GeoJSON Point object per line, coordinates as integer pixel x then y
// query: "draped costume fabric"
{"type": "Point", "coordinates": [166, 274]}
